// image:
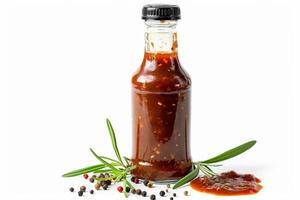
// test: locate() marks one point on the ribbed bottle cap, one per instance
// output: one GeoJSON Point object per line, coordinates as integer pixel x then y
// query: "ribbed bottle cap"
{"type": "Point", "coordinates": [161, 12]}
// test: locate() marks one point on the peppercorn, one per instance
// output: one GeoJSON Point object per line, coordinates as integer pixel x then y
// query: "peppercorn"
{"type": "Point", "coordinates": [80, 193]}
{"type": "Point", "coordinates": [94, 176]}
{"type": "Point", "coordinates": [105, 186]}
{"type": "Point", "coordinates": [91, 191]}
{"type": "Point", "coordinates": [174, 194]}
{"type": "Point", "coordinates": [92, 180]}
{"type": "Point", "coordinates": [186, 193]}
{"type": "Point", "coordinates": [168, 185]}
{"type": "Point", "coordinates": [85, 176]}
{"type": "Point", "coordinates": [97, 186]}
{"type": "Point", "coordinates": [152, 197]}
{"type": "Point", "coordinates": [101, 176]}
{"type": "Point", "coordinates": [146, 182]}
{"type": "Point", "coordinates": [136, 181]}
{"type": "Point", "coordinates": [138, 192]}
{"type": "Point", "coordinates": [171, 198]}
{"type": "Point", "coordinates": [82, 188]}
{"type": "Point", "coordinates": [144, 193]}
{"type": "Point", "coordinates": [102, 183]}
{"type": "Point", "coordinates": [133, 191]}
{"type": "Point", "coordinates": [127, 189]}
{"type": "Point", "coordinates": [71, 189]}
{"type": "Point", "coordinates": [120, 189]}
{"type": "Point", "coordinates": [150, 185]}
{"type": "Point", "coordinates": [162, 193]}
{"type": "Point", "coordinates": [167, 190]}
{"type": "Point", "coordinates": [132, 179]}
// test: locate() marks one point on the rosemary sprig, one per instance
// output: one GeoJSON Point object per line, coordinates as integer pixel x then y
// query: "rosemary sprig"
{"type": "Point", "coordinates": [120, 170]}
{"type": "Point", "coordinates": [204, 166]}
{"type": "Point", "coordinates": [116, 168]}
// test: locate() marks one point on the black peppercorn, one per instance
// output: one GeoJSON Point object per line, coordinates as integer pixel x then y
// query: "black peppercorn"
{"type": "Point", "coordinates": [80, 193]}
{"type": "Point", "coordinates": [92, 180]}
{"type": "Point", "coordinates": [144, 193]}
{"type": "Point", "coordinates": [127, 189]}
{"type": "Point", "coordinates": [107, 182]}
{"type": "Point", "coordinates": [186, 193]}
{"type": "Point", "coordinates": [71, 189]}
{"type": "Point", "coordinates": [171, 198]}
{"type": "Point", "coordinates": [105, 186]}
{"type": "Point", "coordinates": [162, 193]}
{"type": "Point", "coordinates": [132, 179]}
{"type": "Point", "coordinates": [138, 192]}
{"type": "Point", "coordinates": [91, 191]}
{"type": "Point", "coordinates": [174, 194]}
{"type": "Point", "coordinates": [152, 197]}
{"type": "Point", "coordinates": [146, 182]}
{"type": "Point", "coordinates": [101, 176]}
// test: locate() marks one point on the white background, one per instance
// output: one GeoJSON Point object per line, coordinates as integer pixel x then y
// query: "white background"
{"type": "Point", "coordinates": [66, 66]}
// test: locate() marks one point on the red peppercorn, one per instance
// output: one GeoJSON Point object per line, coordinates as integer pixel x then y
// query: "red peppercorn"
{"type": "Point", "coordinates": [136, 181]}
{"type": "Point", "coordinates": [120, 189]}
{"type": "Point", "coordinates": [86, 176]}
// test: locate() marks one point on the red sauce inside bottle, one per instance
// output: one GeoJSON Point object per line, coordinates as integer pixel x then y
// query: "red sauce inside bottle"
{"type": "Point", "coordinates": [228, 184]}
{"type": "Point", "coordinates": [161, 118]}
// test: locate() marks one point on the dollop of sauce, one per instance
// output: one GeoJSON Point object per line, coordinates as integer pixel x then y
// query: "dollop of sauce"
{"type": "Point", "coordinates": [228, 184]}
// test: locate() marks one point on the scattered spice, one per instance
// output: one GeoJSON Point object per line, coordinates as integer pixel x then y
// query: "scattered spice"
{"type": "Point", "coordinates": [133, 191]}
{"type": "Point", "coordinates": [132, 179]}
{"type": "Point", "coordinates": [152, 197]}
{"type": "Point", "coordinates": [146, 182]}
{"type": "Point", "coordinates": [150, 185]}
{"type": "Point", "coordinates": [91, 191]}
{"type": "Point", "coordinates": [82, 188]}
{"type": "Point", "coordinates": [71, 189]}
{"type": "Point", "coordinates": [108, 182]}
{"type": "Point", "coordinates": [97, 186]}
{"type": "Point", "coordinates": [168, 185]}
{"type": "Point", "coordinates": [186, 193]}
{"type": "Point", "coordinates": [162, 193]}
{"type": "Point", "coordinates": [105, 187]}
{"type": "Point", "coordinates": [138, 192]}
{"type": "Point", "coordinates": [144, 193]}
{"type": "Point", "coordinates": [127, 189]}
{"type": "Point", "coordinates": [174, 194]}
{"type": "Point", "coordinates": [86, 176]}
{"type": "Point", "coordinates": [171, 198]}
{"type": "Point", "coordinates": [92, 180]}
{"type": "Point", "coordinates": [80, 193]}
{"type": "Point", "coordinates": [120, 189]}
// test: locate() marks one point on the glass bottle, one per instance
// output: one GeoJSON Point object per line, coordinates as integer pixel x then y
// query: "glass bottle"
{"type": "Point", "coordinates": [161, 92]}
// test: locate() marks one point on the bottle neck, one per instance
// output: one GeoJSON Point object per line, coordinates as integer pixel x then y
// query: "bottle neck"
{"type": "Point", "coordinates": [161, 37]}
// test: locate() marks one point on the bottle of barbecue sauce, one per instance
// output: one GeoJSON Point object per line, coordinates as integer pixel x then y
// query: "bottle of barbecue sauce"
{"type": "Point", "coordinates": [161, 96]}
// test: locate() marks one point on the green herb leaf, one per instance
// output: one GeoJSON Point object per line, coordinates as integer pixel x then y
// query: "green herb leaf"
{"type": "Point", "coordinates": [102, 171]}
{"type": "Point", "coordinates": [104, 162]}
{"type": "Point", "coordinates": [231, 153]}
{"type": "Point", "coordinates": [113, 140]}
{"type": "Point", "coordinates": [110, 159]}
{"type": "Point", "coordinates": [84, 170]}
{"type": "Point", "coordinates": [206, 170]}
{"type": "Point", "coordinates": [188, 178]}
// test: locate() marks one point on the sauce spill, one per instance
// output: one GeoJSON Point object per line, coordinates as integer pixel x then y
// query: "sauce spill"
{"type": "Point", "coordinates": [228, 184]}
